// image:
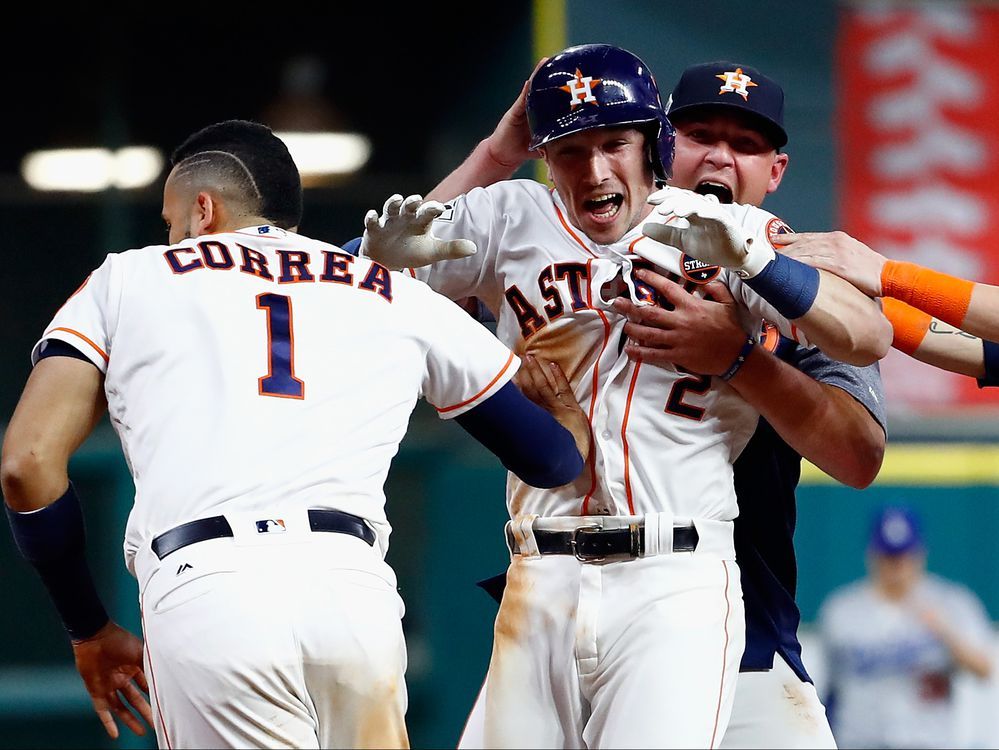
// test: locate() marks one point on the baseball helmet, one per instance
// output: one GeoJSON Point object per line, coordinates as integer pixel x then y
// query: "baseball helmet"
{"type": "Point", "coordinates": [595, 86]}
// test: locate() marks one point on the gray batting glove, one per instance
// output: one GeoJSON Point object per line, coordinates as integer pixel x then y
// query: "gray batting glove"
{"type": "Point", "coordinates": [704, 229]}
{"type": "Point", "coordinates": [401, 237]}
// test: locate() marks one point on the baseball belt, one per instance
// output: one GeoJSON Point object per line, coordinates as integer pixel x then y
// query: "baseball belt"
{"type": "Point", "coordinates": [217, 527]}
{"type": "Point", "coordinates": [594, 544]}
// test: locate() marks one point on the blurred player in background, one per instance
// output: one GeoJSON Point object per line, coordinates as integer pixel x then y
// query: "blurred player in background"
{"type": "Point", "coordinates": [583, 652]}
{"type": "Point", "coordinates": [229, 362]}
{"type": "Point", "coordinates": [730, 146]}
{"type": "Point", "coordinates": [896, 640]}
{"type": "Point", "coordinates": [939, 319]}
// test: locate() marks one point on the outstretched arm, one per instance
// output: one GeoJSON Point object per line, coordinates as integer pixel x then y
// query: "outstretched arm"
{"type": "Point", "coordinates": [960, 303]}
{"type": "Point", "coordinates": [61, 403]}
{"type": "Point", "coordinates": [497, 157]}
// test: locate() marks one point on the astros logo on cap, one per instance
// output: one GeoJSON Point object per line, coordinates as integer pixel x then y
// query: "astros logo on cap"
{"type": "Point", "coordinates": [736, 81]}
{"type": "Point", "coordinates": [581, 89]}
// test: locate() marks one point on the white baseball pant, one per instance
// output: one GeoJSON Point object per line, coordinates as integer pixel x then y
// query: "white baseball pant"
{"type": "Point", "coordinates": [631, 654]}
{"type": "Point", "coordinates": [274, 640]}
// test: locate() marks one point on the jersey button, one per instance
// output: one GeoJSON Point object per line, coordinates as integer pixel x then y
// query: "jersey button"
{"type": "Point", "coordinates": [606, 434]}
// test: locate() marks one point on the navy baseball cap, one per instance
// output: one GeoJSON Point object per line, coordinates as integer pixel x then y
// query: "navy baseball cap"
{"type": "Point", "coordinates": [731, 85]}
{"type": "Point", "coordinates": [896, 531]}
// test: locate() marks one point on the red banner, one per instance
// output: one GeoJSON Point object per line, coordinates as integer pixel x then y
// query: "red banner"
{"type": "Point", "coordinates": [918, 120]}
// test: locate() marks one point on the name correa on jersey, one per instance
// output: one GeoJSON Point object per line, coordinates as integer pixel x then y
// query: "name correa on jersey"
{"type": "Point", "coordinates": [294, 266]}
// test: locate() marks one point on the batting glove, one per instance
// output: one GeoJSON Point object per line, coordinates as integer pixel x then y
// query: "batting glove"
{"type": "Point", "coordinates": [401, 237]}
{"type": "Point", "coordinates": [704, 229]}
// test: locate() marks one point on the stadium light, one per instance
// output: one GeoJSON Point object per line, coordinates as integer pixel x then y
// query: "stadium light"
{"type": "Point", "coordinates": [325, 154]}
{"type": "Point", "coordinates": [89, 170]}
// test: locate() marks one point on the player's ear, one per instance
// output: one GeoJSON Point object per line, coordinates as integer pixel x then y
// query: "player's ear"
{"type": "Point", "coordinates": [206, 214]}
{"type": "Point", "coordinates": [777, 171]}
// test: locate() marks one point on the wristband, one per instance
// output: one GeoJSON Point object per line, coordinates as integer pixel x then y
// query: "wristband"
{"type": "Point", "coordinates": [944, 297]}
{"type": "Point", "coordinates": [739, 360]}
{"type": "Point", "coordinates": [787, 284]}
{"type": "Point", "coordinates": [52, 540]}
{"type": "Point", "coordinates": [909, 325]}
{"type": "Point", "coordinates": [990, 352]}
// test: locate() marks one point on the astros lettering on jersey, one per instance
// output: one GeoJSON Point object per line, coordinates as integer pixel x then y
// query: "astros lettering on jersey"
{"type": "Point", "coordinates": [663, 440]}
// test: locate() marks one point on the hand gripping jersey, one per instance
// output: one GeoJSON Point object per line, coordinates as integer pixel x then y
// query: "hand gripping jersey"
{"type": "Point", "coordinates": [221, 352]}
{"type": "Point", "coordinates": [663, 440]}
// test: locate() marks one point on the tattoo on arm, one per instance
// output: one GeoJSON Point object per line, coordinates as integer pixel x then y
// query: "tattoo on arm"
{"type": "Point", "coordinates": [937, 327]}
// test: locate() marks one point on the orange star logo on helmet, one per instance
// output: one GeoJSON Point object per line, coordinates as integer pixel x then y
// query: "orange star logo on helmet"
{"type": "Point", "coordinates": [581, 89]}
{"type": "Point", "coordinates": [736, 82]}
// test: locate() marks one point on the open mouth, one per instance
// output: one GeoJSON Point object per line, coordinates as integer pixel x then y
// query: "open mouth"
{"type": "Point", "coordinates": [604, 207]}
{"type": "Point", "coordinates": [722, 192]}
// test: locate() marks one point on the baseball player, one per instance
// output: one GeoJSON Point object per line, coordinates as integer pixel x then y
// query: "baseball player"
{"type": "Point", "coordinates": [895, 642]}
{"type": "Point", "coordinates": [936, 318]}
{"type": "Point", "coordinates": [730, 146]}
{"type": "Point", "coordinates": [228, 362]}
{"type": "Point", "coordinates": [628, 574]}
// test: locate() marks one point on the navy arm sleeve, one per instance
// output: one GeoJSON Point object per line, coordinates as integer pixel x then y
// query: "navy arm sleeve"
{"type": "Point", "coordinates": [59, 348]}
{"type": "Point", "coordinates": [990, 352]}
{"type": "Point", "coordinates": [527, 439]}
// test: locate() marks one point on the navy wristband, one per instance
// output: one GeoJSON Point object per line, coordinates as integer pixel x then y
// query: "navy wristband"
{"type": "Point", "coordinates": [990, 351]}
{"type": "Point", "coordinates": [787, 284]}
{"type": "Point", "coordinates": [52, 540]}
{"type": "Point", "coordinates": [739, 360]}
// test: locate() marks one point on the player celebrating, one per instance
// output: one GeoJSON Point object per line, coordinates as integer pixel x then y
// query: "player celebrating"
{"type": "Point", "coordinates": [730, 147]}
{"type": "Point", "coordinates": [580, 648]}
{"type": "Point", "coordinates": [228, 361]}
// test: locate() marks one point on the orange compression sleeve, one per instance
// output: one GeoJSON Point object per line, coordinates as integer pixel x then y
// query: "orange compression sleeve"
{"type": "Point", "coordinates": [944, 297]}
{"type": "Point", "coordinates": [909, 324]}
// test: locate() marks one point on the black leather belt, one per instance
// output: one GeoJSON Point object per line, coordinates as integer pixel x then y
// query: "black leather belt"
{"type": "Point", "coordinates": [218, 527]}
{"type": "Point", "coordinates": [592, 543]}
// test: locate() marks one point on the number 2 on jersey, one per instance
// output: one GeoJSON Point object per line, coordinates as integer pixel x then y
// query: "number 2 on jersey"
{"type": "Point", "coordinates": [280, 380]}
{"type": "Point", "coordinates": [696, 384]}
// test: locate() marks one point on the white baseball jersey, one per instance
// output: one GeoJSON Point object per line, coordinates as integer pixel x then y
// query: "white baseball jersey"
{"type": "Point", "coordinates": [663, 440]}
{"type": "Point", "coordinates": [891, 677]}
{"type": "Point", "coordinates": [223, 352]}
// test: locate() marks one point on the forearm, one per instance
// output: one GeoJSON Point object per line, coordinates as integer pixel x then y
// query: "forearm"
{"type": "Point", "coordinates": [968, 657]}
{"type": "Point", "coordinates": [480, 169]}
{"type": "Point", "coordinates": [850, 445]}
{"type": "Point", "coordinates": [932, 341]}
{"type": "Point", "coordinates": [846, 324]}
{"type": "Point", "coordinates": [960, 303]}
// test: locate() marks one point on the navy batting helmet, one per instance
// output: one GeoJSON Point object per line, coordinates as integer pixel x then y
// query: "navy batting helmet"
{"type": "Point", "coordinates": [595, 86]}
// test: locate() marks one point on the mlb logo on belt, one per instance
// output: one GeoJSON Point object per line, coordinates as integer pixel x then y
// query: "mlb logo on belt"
{"type": "Point", "coordinates": [271, 526]}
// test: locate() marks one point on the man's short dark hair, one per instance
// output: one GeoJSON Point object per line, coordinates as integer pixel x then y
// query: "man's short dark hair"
{"type": "Point", "coordinates": [254, 161]}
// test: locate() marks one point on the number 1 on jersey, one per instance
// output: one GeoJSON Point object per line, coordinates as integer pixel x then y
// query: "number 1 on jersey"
{"type": "Point", "coordinates": [280, 380]}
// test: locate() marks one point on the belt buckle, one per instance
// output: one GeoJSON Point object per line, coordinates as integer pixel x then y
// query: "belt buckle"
{"type": "Point", "coordinates": [596, 530]}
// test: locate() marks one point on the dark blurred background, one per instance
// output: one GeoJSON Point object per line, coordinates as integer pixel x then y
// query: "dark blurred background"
{"type": "Point", "coordinates": [424, 85]}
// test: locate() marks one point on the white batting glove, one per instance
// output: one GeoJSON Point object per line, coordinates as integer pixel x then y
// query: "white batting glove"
{"type": "Point", "coordinates": [401, 237]}
{"type": "Point", "coordinates": [704, 229]}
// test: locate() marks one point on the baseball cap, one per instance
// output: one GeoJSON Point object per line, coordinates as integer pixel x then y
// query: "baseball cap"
{"type": "Point", "coordinates": [728, 84]}
{"type": "Point", "coordinates": [895, 531]}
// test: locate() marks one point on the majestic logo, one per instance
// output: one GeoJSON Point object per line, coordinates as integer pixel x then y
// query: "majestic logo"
{"type": "Point", "coordinates": [777, 226]}
{"type": "Point", "coordinates": [736, 82]}
{"type": "Point", "coordinates": [271, 526]}
{"type": "Point", "coordinates": [581, 89]}
{"type": "Point", "coordinates": [697, 271]}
